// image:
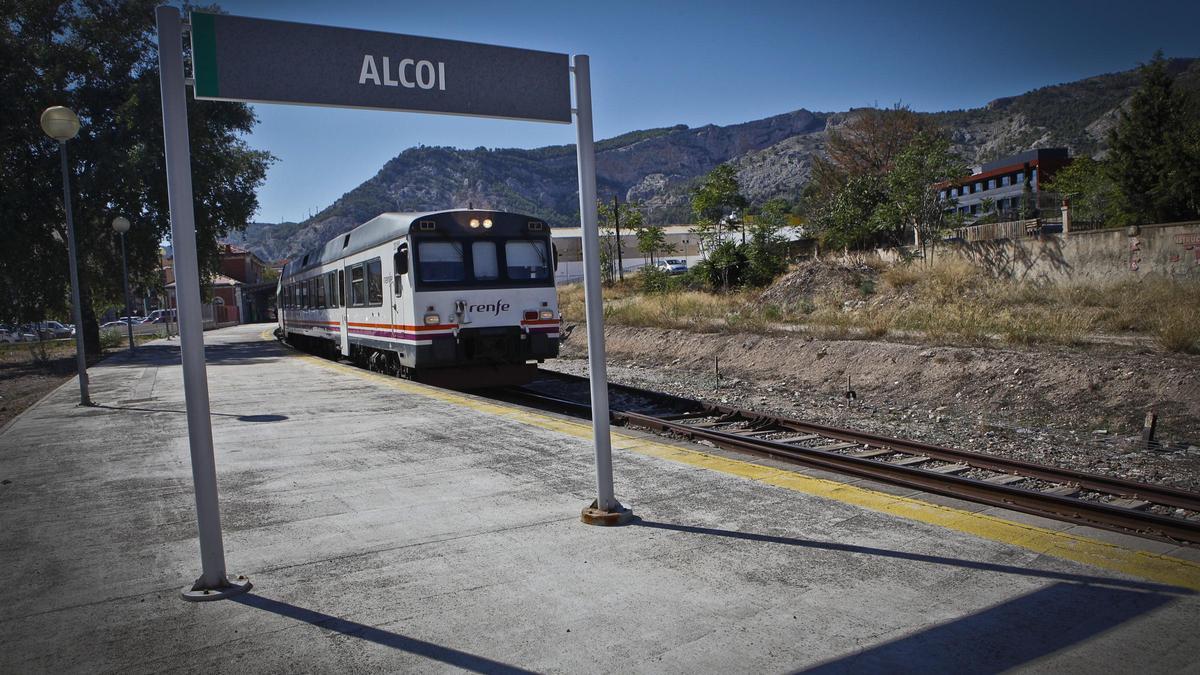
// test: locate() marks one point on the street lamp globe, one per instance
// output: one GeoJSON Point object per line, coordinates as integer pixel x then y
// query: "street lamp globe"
{"type": "Point", "coordinates": [120, 224]}
{"type": "Point", "coordinates": [60, 123]}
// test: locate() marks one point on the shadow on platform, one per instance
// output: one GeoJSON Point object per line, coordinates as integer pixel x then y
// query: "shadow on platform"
{"type": "Point", "coordinates": [429, 650]}
{"type": "Point", "coordinates": [222, 354]}
{"type": "Point", "coordinates": [1072, 610]}
{"type": "Point", "coordinates": [918, 557]}
{"type": "Point", "coordinates": [1005, 636]}
{"type": "Point", "coordinates": [240, 418]}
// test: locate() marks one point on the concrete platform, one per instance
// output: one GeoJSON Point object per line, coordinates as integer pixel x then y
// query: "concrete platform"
{"type": "Point", "coordinates": [388, 526]}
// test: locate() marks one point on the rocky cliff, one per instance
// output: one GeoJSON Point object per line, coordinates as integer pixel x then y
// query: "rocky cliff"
{"type": "Point", "coordinates": [657, 167]}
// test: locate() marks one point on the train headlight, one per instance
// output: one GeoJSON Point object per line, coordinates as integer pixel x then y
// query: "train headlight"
{"type": "Point", "coordinates": [475, 223]}
{"type": "Point", "coordinates": [432, 319]}
{"type": "Point", "coordinates": [547, 314]}
{"type": "Point", "coordinates": [487, 223]}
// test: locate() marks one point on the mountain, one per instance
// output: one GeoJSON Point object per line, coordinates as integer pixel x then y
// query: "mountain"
{"type": "Point", "coordinates": [658, 167]}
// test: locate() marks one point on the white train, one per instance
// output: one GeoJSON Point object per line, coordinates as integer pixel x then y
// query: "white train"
{"type": "Point", "coordinates": [459, 297]}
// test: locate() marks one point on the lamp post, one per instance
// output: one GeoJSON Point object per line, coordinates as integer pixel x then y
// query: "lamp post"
{"type": "Point", "coordinates": [62, 124]}
{"type": "Point", "coordinates": [120, 225]}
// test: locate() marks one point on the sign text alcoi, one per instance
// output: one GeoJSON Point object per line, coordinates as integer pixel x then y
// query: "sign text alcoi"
{"type": "Point", "coordinates": [258, 60]}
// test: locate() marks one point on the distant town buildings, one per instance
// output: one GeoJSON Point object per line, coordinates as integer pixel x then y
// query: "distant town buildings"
{"type": "Point", "coordinates": [1004, 182]}
{"type": "Point", "coordinates": [243, 291]}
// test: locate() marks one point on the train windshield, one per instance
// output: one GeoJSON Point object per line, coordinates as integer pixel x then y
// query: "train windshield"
{"type": "Point", "coordinates": [526, 259]}
{"type": "Point", "coordinates": [442, 261]}
{"type": "Point", "coordinates": [483, 261]}
{"type": "Point", "coordinates": [459, 263]}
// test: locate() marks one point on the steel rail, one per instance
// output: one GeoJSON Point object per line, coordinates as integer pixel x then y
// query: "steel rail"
{"type": "Point", "coordinates": [1004, 496]}
{"type": "Point", "coordinates": [1158, 494]}
{"type": "Point", "coordinates": [1056, 506]}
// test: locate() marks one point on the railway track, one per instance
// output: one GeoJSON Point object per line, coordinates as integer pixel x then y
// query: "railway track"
{"type": "Point", "coordinates": [1088, 499]}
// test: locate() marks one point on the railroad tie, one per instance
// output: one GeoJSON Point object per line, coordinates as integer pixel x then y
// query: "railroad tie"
{"type": "Point", "coordinates": [1062, 491]}
{"type": "Point", "coordinates": [951, 469]}
{"type": "Point", "coordinates": [1135, 504]}
{"type": "Point", "coordinates": [912, 461]}
{"type": "Point", "coordinates": [1004, 479]}
{"type": "Point", "coordinates": [760, 432]}
{"type": "Point", "coordinates": [838, 446]}
{"type": "Point", "coordinates": [796, 439]}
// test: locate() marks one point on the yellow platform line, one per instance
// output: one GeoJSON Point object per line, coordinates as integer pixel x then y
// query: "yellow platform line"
{"type": "Point", "coordinates": [1151, 566]}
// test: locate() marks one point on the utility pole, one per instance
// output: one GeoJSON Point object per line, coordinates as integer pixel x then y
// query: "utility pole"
{"type": "Point", "coordinates": [617, 224]}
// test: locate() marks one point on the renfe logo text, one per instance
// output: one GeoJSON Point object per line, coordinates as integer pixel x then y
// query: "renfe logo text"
{"type": "Point", "coordinates": [495, 308]}
{"type": "Point", "coordinates": [407, 73]}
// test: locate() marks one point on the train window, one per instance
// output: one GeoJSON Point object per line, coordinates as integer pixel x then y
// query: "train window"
{"type": "Point", "coordinates": [341, 287]}
{"type": "Point", "coordinates": [483, 261]}
{"type": "Point", "coordinates": [400, 260]}
{"type": "Point", "coordinates": [400, 267]}
{"type": "Point", "coordinates": [358, 287]}
{"type": "Point", "coordinates": [319, 282]}
{"type": "Point", "coordinates": [441, 261]}
{"type": "Point", "coordinates": [331, 285]}
{"type": "Point", "coordinates": [374, 282]}
{"type": "Point", "coordinates": [526, 259]}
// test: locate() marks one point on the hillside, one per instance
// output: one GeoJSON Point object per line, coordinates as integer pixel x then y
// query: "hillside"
{"type": "Point", "coordinates": [657, 167]}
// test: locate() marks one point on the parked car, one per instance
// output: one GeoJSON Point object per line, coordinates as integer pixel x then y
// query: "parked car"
{"type": "Point", "coordinates": [161, 316]}
{"type": "Point", "coordinates": [672, 265]}
{"type": "Point", "coordinates": [113, 324]}
{"type": "Point", "coordinates": [24, 333]}
{"type": "Point", "coordinates": [135, 320]}
{"type": "Point", "coordinates": [9, 335]}
{"type": "Point", "coordinates": [51, 330]}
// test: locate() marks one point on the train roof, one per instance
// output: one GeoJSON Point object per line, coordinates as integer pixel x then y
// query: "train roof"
{"type": "Point", "coordinates": [379, 230]}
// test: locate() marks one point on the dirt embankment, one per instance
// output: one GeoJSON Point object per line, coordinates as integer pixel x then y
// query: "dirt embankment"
{"type": "Point", "coordinates": [1079, 408]}
{"type": "Point", "coordinates": [1110, 389]}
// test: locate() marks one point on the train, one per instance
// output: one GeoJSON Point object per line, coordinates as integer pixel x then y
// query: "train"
{"type": "Point", "coordinates": [460, 297]}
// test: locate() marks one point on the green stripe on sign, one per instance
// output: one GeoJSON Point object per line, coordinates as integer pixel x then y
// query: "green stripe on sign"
{"type": "Point", "coordinates": [204, 54]}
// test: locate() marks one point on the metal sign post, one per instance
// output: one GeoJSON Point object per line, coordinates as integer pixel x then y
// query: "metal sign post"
{"type": "Point", "coordinates": [213, 583]}
{"type": "Point", "coordinates": [260, 61]}
{"type": "Point", "coordinates": [606, 510]}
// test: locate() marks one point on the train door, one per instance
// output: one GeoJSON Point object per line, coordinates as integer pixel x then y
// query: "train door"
{"type": "Point", "coordinates": [401, 303]}
{"type": "Point", "coordinates": [341, 291]}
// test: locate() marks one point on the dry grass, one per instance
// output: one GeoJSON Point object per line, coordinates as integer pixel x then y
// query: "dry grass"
{"type": "Point", "coordinates": [950, 301]}
{"type": "Point", "coordinates": [690, 310]}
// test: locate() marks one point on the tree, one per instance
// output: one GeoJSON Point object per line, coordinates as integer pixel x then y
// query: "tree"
{"type": "Point", "coordinates": [1088, 184]}
{"type": "Point", "coordinates": [987, 211]}
{"type": "Point", "coordinates": [866, 145]}
{"type": "Point", "coordinates": [611, 214]}
{"type": "Point", "coordinates": [717, 196]}
{"type": "Point", "coordinates": [841, 200]}
{"type": "Point", "coordinates": [847, 218]}
{"type": "Point", "coordinates": [913, 203]}
{"type": "Point", "coordinates": [1154, 155]}
{"type": "Point", "coordinates": [100, 59]}
{"type": "Point", "coordinates": [652, 241]}
{"type": "Point", "coordinates": [766, 250]}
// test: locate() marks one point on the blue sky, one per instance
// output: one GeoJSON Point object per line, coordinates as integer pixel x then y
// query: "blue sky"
{"type": "Point", "coordinates": [695, 63]}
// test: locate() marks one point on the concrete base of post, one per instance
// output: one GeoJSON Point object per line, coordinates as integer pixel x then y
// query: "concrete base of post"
{"type": "Point", "coordinates": [593, 515]}
{"type": "Point", "coordinates": [228, 589]}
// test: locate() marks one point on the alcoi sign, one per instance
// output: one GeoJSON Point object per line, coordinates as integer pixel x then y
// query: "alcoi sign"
{"type": "Point", "coordinates": [257, 60]}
